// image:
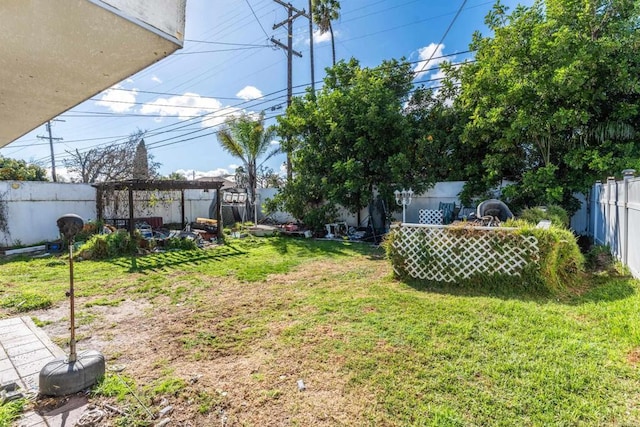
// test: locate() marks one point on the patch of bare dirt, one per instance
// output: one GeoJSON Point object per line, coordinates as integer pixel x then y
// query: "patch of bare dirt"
{"type": "Point", "coordinates": [263, 383]}
{"type": "Point", "coordinates": [634, 356]}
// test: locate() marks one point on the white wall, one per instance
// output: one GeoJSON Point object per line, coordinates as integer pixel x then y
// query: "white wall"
{"type": "Point", "coordinates": [445, 192]}
{"type": "Point", "coordinates": [165, 204]}
{"type": "Point", "coordinates": [33, 208]}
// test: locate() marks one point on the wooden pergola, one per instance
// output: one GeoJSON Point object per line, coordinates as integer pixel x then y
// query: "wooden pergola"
{"type": "Point", "coordinates": [159, 185]}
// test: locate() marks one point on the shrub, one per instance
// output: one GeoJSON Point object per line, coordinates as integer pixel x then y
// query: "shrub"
{"type": "Point", "coordinates": [180, 243]}
{"type": "Point", "coordinates": [556, 214]}
{"type": "Point", "coordinates": [561, 264]}
{"type": "Point", "coordinates": [102, 246]}
{"type": "Point", "coordinates": [89, 229]}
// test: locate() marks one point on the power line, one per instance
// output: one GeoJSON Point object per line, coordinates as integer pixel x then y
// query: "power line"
{"type": "Point", "coordinates": [221, 50]}
{"type": "Point", "coordinates": [156, 132]}
{"type": "Point", "coordinates": [258, 20]}
{"type": "Point", "coordinates": [445, 34]}
{"type": "Point", "coordinates": [225, 43]}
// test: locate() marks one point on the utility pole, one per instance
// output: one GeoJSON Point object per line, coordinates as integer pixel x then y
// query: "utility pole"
{"type": "Point", "coordinates": [290, 52]}
{"type": "Point", "coordinates": [51, 139]}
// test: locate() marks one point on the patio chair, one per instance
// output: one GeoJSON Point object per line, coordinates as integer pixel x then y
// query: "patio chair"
{"type": "Point", "coordinates": [448, 210]}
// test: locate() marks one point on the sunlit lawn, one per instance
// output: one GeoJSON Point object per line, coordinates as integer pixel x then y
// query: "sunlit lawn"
{"type": "Point", "coordinates": [400, 354]}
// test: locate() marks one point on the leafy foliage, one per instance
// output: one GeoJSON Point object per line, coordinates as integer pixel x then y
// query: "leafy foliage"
{"type": "Point", "coordinates": [556, 214]}
{"type": "Point", "coordinates": [552, 98]}
{"type": "Point", "coordinates": [180, 244]}
{"type": "Point", "coordinates": [19, 170]}
{"type": "Point", "coordinates": [247, 139]}
{"type": "Point", "coordinates": [350, 140]}
{"type": "Point", "coordinates": [102, 246]}
{"type": "Point", "coordinates": [324, 12]}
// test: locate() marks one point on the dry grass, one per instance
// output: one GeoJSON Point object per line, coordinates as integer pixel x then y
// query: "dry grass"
{"type": "Point", "coordinates": [225, 339]}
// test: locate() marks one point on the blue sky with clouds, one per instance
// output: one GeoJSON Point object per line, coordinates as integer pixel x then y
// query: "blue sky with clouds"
{"type": "Point", "coordinates": [229, 65]}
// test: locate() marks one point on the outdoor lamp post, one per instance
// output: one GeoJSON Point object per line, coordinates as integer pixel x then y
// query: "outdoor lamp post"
{"type": "Point", "coordinates": [403, 198]}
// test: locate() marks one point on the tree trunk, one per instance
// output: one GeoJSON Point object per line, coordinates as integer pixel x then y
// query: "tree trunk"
{"type": "Point", "coordinates": [333, 43]}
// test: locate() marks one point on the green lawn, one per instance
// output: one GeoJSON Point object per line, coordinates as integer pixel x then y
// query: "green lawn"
{"type": "Point", "coordinates": [255, 315]}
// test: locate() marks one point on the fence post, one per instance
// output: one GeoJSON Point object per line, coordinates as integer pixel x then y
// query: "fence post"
{"type": "Point", "coordinates": [627, 175]}
{"type": "Point", "coordinates": [595, 208]}
{"type": "Point", "coordinates": [611, 181]}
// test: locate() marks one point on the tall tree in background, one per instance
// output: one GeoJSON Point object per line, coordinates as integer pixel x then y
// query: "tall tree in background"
{"type": "Point", "coordinates": [324, 12]}
{"type": "Point", "coordinates": [141, 162]}
{"type": "Point", "coordinates": [113, 162]}
{"type": "Point", "coordinates": [353, 142]}
{"type": "Point", "coordinates": [19, 170]}
{"type": "Point", "coordinates": [553, 98]}
{"type": "Point", "coordinates": [247, 139]}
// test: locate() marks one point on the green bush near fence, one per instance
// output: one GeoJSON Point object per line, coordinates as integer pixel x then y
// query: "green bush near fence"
{"type": "Point", "coordinates": [556, 214]}
{"type": "Point", "coordinates": [561, 264]}
{"type": "Point", "coordinates": [558, 267]}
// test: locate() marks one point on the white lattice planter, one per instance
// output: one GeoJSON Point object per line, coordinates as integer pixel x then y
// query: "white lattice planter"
{"type": "Point", "coordinates": [453, 253]}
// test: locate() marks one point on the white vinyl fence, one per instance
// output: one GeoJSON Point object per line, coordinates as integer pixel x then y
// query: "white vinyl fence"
{"type": "Point", "coordinates": [615, 218]}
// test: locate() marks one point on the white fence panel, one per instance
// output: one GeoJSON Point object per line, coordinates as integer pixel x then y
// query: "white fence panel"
{"type": "Point", "coordinates": [615, 214]}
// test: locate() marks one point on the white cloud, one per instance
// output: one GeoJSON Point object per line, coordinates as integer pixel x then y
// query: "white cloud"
{"type": "Point", "coordinates": [129, 80]}
{"type": "Point", "coordinates": [233, 166]}
{"type": "Point", "coordinates": [117, 99]}
{"type": "Point", "coordinates": [423, 67]}
{"type": "Point", "coordinates": [219, 116]}
{"type": "Point", "coordinates": [210, 111]}
{"type": "Point", "coordinates": [156, 79]}
{"type": "Point", "coordinates": [184, 107]}
{"type": "Point", "coordinates": [275, 142]}
{"type": "Point", "coordinates": [214, 173]}
{"type": "Point", "coordinates": [322, 38]}
{"type": "Point", "coordinates": [249, 93]}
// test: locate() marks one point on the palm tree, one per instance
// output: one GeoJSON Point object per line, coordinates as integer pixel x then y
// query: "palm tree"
{"type": "Point", "coordinates": [325, 11]}
{"type": "Point", "coordinates": [246, 138]}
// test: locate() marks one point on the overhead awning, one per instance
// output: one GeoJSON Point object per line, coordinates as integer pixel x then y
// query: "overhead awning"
{"type": "Point", "coordinates": [56, 54]}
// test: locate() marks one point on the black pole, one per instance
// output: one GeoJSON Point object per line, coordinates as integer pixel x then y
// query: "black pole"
{"type": "Point", "coordinates": [72, 342]}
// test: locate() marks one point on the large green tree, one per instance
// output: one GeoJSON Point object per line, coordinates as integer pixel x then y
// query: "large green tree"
{"type": "Point", "coordinates": [246, 138]}
{"type": "Point", "coordinates": [553, 98]}
{"type": "Point", "coordinates": [353, 141]}
{"type": "Point", "coordinates": [19, 170]}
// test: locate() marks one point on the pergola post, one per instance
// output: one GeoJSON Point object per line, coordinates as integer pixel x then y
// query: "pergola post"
{"type": "Point", "coordinates": [161, 185]}
{"type": "Point", "coordinates": [182, 208]}
{"type": "Point", "coordinates": [131, 224]}
{"type": "Point", "coordinates": [219, 223]}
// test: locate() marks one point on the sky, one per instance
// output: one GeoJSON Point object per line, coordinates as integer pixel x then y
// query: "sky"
{"type": "Point", "coordinates": [228, 65]}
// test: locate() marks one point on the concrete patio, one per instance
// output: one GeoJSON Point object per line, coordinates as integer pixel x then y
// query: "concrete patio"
{"type": "Point", "coordinates": [24, 350]}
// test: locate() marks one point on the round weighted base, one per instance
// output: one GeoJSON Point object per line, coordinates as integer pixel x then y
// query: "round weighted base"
{"type": "Point", "coordinates": [60, 376]}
